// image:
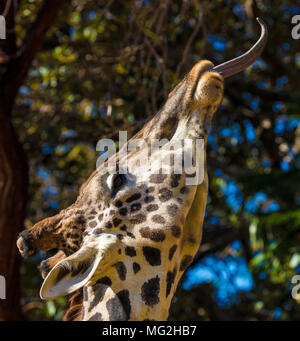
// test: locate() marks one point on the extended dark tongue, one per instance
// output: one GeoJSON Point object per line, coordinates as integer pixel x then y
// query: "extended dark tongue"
{"type": "Point", "coordinates": [240, 63]}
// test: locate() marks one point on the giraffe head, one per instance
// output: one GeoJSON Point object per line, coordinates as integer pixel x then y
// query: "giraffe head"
{"type": "Point", "coordinates": [131, 234]}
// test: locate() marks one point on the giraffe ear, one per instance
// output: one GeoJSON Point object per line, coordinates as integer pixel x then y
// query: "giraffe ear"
{"type": "Point", "coordinates": [75, 271]}
{"type": "Point", "coordinates": [70, 274]}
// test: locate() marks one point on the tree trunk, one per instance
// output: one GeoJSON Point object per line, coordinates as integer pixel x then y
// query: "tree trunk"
{"type": "Point", "coordinates": [13, 198]}
{"type": "Point", "coordinates": [15, 62]}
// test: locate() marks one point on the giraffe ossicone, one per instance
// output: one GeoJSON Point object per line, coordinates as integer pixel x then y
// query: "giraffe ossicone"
{"type": "Point", "coordinates": [129, 237]}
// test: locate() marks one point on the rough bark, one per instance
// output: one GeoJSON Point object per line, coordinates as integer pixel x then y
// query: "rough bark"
{"type": "Point", "coordinates": [13, 194]}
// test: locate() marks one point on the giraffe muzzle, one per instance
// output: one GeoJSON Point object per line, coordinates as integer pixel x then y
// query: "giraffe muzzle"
{"type": "Point", "coordinates": [24, 245]}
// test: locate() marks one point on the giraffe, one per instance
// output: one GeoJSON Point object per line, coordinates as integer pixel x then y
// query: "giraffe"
{"type": "Point", "coordinates": [127, 240]}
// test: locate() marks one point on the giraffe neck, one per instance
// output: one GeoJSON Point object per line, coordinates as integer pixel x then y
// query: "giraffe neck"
{"type": "Point", "coordinates": [101, 303]}
{"type": "Point", "coordinates": [104, 301]}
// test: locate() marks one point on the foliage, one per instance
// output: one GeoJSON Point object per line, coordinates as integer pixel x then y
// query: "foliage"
{"type": "Point", "coordinates": [107, 66]}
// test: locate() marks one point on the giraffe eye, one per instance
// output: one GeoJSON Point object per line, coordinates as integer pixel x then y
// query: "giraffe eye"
{"type": "Point", "coordinates": [118, 181]}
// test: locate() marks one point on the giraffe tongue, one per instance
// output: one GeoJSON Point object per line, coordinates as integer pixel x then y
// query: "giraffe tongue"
{"type": "Point", "coordinates": [240, 63]}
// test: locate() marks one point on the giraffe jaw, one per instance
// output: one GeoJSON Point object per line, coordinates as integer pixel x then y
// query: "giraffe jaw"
{"type": "Point", "coordinates": [77, 270]}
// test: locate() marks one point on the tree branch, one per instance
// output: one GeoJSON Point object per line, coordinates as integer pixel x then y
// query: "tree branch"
{"type": "Point", "coordinates": [19, 66]}
{"type": "Point", "coordinates": [217, 240]}
{"type": "Point", "coordinates": [187, 48]}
